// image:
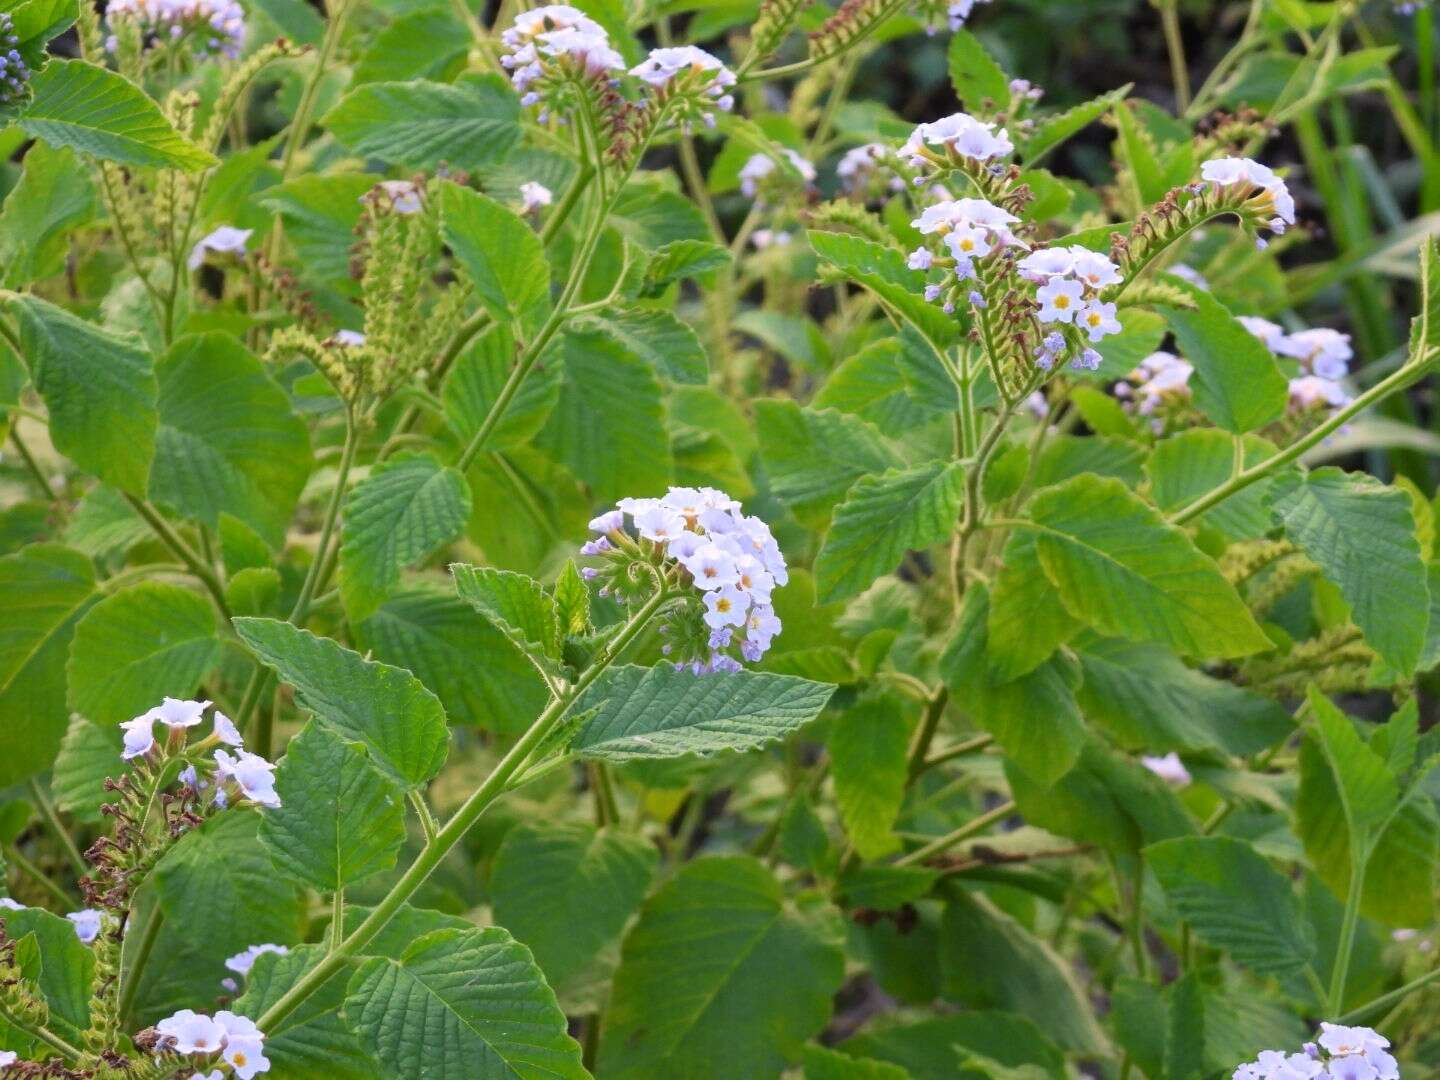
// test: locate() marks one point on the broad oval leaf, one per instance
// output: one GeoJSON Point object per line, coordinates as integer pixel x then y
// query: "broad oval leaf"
{"type": "Point", "coordinates": [1236, 382]}
{"type": "Point", "coordinates": [502, 257]}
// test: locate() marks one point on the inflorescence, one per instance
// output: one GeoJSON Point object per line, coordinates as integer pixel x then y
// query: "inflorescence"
{"type": "Point", "coordinates": [215, 27]}
{"type": "Point", "coordinates": [1338, 1053]}
{"type": "Point", "coordinates": [14, 74]}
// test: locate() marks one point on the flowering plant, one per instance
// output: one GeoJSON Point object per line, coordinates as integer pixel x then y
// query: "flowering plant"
{"type": "Point", "coordinates": [872, 539]}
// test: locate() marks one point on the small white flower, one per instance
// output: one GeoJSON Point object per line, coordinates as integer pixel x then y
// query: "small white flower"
{"type": "Point", "coordinates": [1044, 263]}
{"type": "Point", "coordinates": [608, 522]}
{"type": "Point", "coordinates": [1168, 768]}
{"type": "Point", "coordinates": [88, 922]}
{"type": "Point", "coordinates": [1327, 353]}
{"type": "Point", "coordinates": [1268, 332]}
{"type": "Point", "coordinates": [1341, 1039]}
{"type": "Point", "coordinates": [529, 25]}
{"type": "Point", "coordinates": [404, 196]}
{"type": "Point", "coordinates": [1060, 300]}
{"type": "Point", "coordinates": [726, 607]}
{"type": "Point", "coordinates": [177, 714]}
{"type": "Point", "coordinates": [959, 11]}
{"type": "Point", "coordinates": [533, 196]}
{"type": "Point", "coordinates": [968, 242]}
{"type": "Point", "coordinates": [8, 1057]}
{"type": "Point", "coordinates": [189, 1032]}
{"type": "Point", "coordinates": [226, 731]}
{"type": "Point", "coordinates": [349, 338]}
{"type": "Point", "coordinates": [1274, 197]}
{"type": "Point", "coordinates": [1311, 391]}
{"type": "Point", "coordinates": [659, 523]}
{"type": "Point", "coordinates": [251, 773]}
{"type": "Point", "coordinates": [711, 567]}
{"type": "Point", "coordinates": [242, 962]}
{"type": "Point", "coordinates": [760, 166]}
{"type": "Point", "coordinates": [761, 239]}
{"type": "Point", "coordinates": [9, 904]}
{"type": "Point", "coordinates": [139, 736]}
{"type": "Point", "coordinates": [961, 132]}
{"type": "Point", "coordinates": [224, 240]}
{"type": "Point", "coordinates": [921, 259]}
{"type": "Point", "coordinates": [1098, 320]}
{"type": "Point", "coordinates": [1093, 268]}
{"type": "Point", "coordinates": [664, 65]}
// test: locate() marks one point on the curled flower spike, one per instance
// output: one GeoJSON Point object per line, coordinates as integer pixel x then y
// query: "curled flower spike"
{"type": "Point", "coordinates": [14, 74]}
{"type": "Point", "coordinates": [687, 73]}
{"type": "Point", "coordinates": [211, 27]}
{"type": "Point", "coordinates": [757, 170]}
{"type": "Point", "coordinates": [725, 567]}
{"type": "Point", "coordinates": [224, 240]}
{"type": "Point", "coordinates": [1271, 200]}
{"type": "Point", "coordinates": [960, 138]}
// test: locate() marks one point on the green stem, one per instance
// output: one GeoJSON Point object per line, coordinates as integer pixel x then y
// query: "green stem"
{"type": "Point", "coordinates": [143, 949]}
{"type": "Point", "coordinates": [327, 527]}
{"type": "Point", "coordinates": [950, 839]}
{"type": "Point", "coordinates": [959, 750]}
{"type": "Point", "coordinates": [30, 870]}
{"type": "Point", "coordinates": [925, 733]}
{"type": "Point", "coordinates": [192, 560]}
{"type": "Point", "coordinates": [1346, 944]}
{"type": "Point", "coordinates": [31, 464]}
{"type": "Point", "coordinates": [52, 818]}
{"type": "Point", "coordinates": [1384, 1001]}
{"type": "Point", "coordinates": [1399, 380]}
{"type": "Point", "coordinates": [43, 1034]}
{"type": "Point", "coordinates": [1180, 75]}
{"type": "Point", "coordinates": [460, 822]}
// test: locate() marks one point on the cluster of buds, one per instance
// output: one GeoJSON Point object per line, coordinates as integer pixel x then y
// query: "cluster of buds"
{"type": "Point", "coordinates": [958, 141]}
{"type": "Point", "coordinates": [238, 776]}
{"type": "Point", "coordinates": [14, 74]}
{"type": "Point", "coordinates": [761, 177]}
{"type": "Point", "coordinates": [223, 1039]}
{"type": "Point", "coordinates": [211, 27]}
{"type": "Point", "coordinates": [1158, 386]}
{"type": "Point", "coordinates": [721, 564]}
{"type": "Point", "coordinates": [551, 45]}
{"type": "Point", "coordinates": [689, 79]}
{"type": "Point", "coordinates": [1339, 1052]}
{"type": "Point", "coordinates": [1265, 195]}
{"type": "Point", "coordinates": [1070, 281]}
{"type": "Point", "coordinates": [1323, 355]}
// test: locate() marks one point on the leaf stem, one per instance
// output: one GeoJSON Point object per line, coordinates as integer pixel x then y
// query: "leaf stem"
{"type": "Point", "coordinates": [461, 821]}
{"type": "Point", "coordinates": [44, 1034]}
{"type": "Point", "coordinates": [1384, 1001]}
{"type": "Point", "coordinates": [1345, 946]}
{"type": "Point", "coordinates": [173, 540]}
{"type": "Point", "coordinates": [1175, 46]}
{"type": "Point", "coordinates": [30, 870]}
{"type": "Point", "coordinates": [31, 464]}
{"type": "Point", "coordinates": [52, 818]}
{"type": "Point", "coordinates": [327, 527]}
{"type": "Point", "coordinates": [970, 828]}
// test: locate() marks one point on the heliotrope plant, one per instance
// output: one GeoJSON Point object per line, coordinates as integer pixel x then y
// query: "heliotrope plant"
{"type": "Point", "coordinates": [569, 541]}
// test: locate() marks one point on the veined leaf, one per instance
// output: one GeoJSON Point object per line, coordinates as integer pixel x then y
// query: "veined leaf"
{"type": "Point", "coordinates": [1236, 382]}
{"type": "Point", "coordinates": [883, 517]}
{"type": "Point", "coordinates": [663, 712]}
{"type": "Point", "coordinates": [502, 257]}
{"type": "Point", "coordinates": [1368, 791]}
{"type": "Point", "coordinates": [475, 382]}
{"type": "Point", "coordinates": [103, 114]}
{"type": "Point", "coordinates": [884, 272]}
{"type": "Point", "coordinates": [868, 745]}
{"type": "Point", "coordinates": [977, 78]}
{"type": "Point", "coordinates": [461, 1005]}
{"type": "Point", "coordinates": [682, 259]}
{"type": "Point", "coordinates": [419, 124]}
{"type": "Point", "coordinates": [720, 978]}
{"type": "Point", "coordinates": [384, 707]}
{"type": "Point", "coordinates": [1191, 464]}
{"type": "Point", "coordinates": [53, 197]}
{"type": "Point", "coordinates": [670, 347]}
{"type": "Point", "coordinates": [1027, 620]}
{"type": "Point", "coordinates": [517, 604]}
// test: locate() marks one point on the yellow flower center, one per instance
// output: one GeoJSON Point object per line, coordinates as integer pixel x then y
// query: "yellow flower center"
{"type": "Point", "coordinates": [722, 605]}
{"type": "Point", "coordinates": [1093, 319]}
{"type": "Point", "coordinates": [967, 244]}
{"type": "Point", "coordinates": [239, 1059]}
{"type": "Point", "coordinates": [1062, 301]}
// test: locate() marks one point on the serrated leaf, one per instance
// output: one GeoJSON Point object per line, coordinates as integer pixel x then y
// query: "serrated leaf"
{"type": "Point", "coordinates": [474, 385]}
{"type": "Point", "coordinates": [1033, 717]}
{"type": "Point", "coordinates": [1117, 565]}
{"type": "Point", "coordinates": [320, 212]}
{"type": "Point", "coordinates": [1362, 536]}
{"type": "Point", "coordinates": [461, 1005]}
{"type": "Point", "coordinates": [103, 114]}
{"type": "Point", "coordinates": [663, 712]}
{"type": "Point", "coordinates": [976, 76]}
{"type": "Point", "coordinates": [1236, 381]}
{"type": "Point", "coordinates": [340, 820]}
{"type": "Point", "coordinates": [567, 891]}
{"type": "Point", "coordinates": [671, 348]}
{"type": "Point", "coordinates": [420, 124]}
{"type": "Point", "coordinates": [1368, 791]}
{"type": "Point", "coordinates": [1192, 463]}
{"type": "Point", "coordinates": [572, 601]}
{"type": "Point", "coordinates": [99, 389]}
{"type": "Point", "coordinates": [1027, 621]}
{"type": "Point", "coordinates": [44, 591]}
{"type": "Point", "coordinates": [228, 441]}
{"type": "Point", "coordinates": [65, 969]}
{"type": "Point", "coordinates": [517, 604]}
{"type": "Point", "coordinates": [53, 197]}
{"type": "Point", "coordinates": [401, 513]}
{"type": "Point", "coordinates": [1051, 131]}
{"type": "Point", "coordinates": [813, 456]}
{"type": "Point", "coordinates": [683, 259]}
{"type": "Point", "coordinates": [871, 385]}
{"type": "Point", "coordinates": [502, 257]}
{"type": "Point", "coordinates": [384, 707]}
{"type": "Point", "coordinates": [1234, 900]}
{"type": "Point", "coordinates": [137, 646]}
{"type": "Point", "coordinates": [720, 978]}
{"type": "Point", "coordinates": [927, 1048]}
{"type": "Point", "coordinates": [823, 1064]}
{"type": "Point", "coordinates": [88, 755]}
{"type": "Point", "coordinates": [883, 271]}
{"type": "Point", "coordinates": [883, 517]}
{"type": "Point", "coordinates": [868, 763]}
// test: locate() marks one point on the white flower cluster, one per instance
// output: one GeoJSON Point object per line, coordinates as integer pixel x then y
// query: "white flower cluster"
{"type": "Point", "coordinates": [232, 1038]}
{"type": "Point", "coordinates": [730, 559]}
{"type": "Point", "coordinates": [689, 70]}
{"type": "Point", "coordinates": [240, 775]}
{"type": "Point", "coordinates": [218, 25]}
{"type": "Point", "coordinates": [1272, 199]}
{"type": "Point", "coordinates": [861, 167]}
{"type": "Point", "coordinates": [959, 133]}
{"type": "Point", "coordinates": [1324, 357]}
{"type": "Point", "coordinates": [1070, 280]}
{"type": "Point", "coordinates": [1160, 379]}
{"type": "Point", "coordinates": [556, 32]}
{"type": "Point", "coordinates": [755, 172]}
{"type": "Point", "coordinates": [226, 240]}
{"type": "Point", "coordinates": [1338, 1053]}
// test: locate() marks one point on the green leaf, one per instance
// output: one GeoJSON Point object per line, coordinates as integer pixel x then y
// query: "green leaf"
{"type": "Point", "coordinates": [871, 385]}
{"type": "Point", "coordinates": [721, 977]}
{"type": "Point", "coordinates": [53, 198]}
{"type": "Point", "coordinates": [320, 213]}
{"type": "Point", "coordinates": [1234, 900]}
{"type": "Point", "coordinates": [438, 637]}
{"type": "Point", "coordinates": [1118, 565]}
{"type": "Point", "coordinates": [384, 707]}
{"type": "Point", "coordinates": [137, 646]}
{"type": "Point", "coordinates": [340, 820]}
{"type": "Point", "coordinates": [883, 517]}
{"type": "Point", "coordinates": [1368, 791]}
{"type": "Point", "coordinates": [313, 1042]}
{"type": "Point", "coordinates": [883, 271]}
{"type": "Point", "coordinates": [461, 1005]}
{"type": "Point", "coordinates": [669, 346]}
{"type": "Point", "coordinates": [1034, 717]}
{"type": "Point", "coordinates": [927, 1048]}
{"type": "Point", "coordinates": [572, 601]}
{"type": "Point", "coordinates": [1149, 700]}
{"type": "Point", "coordinates": [1193, 463]}
{"type": "Point", "coordinates": [567, 892]}
{"type": "Point", "coordinates": [1362, 535]}
{"type": "Point", "coordinates": [502, 257]}
{"type": "Point", "coordinates": [813, 456]}
{"type": "Point", "coordinates": [426, 42]}
{"type": "Point", "coordinates": [475, 382]}
{"type": "Point", "coordinates": [990, 960]}
{"type": "Point", "coordinates": [823, 1064]}
{"type": "Point", "coordinates": [1027, 620]}
{"type": "Point", "coordinates": [608, 427]}
{"type": "Point", "coordinates": [228, 441]}
{"type": "Point", "coordinates": [976, 76]}
{"type": "Point", "coordinates": [401, 513]}
{"type": "Point", "coordinates": [517, 604]}
{"type": "Point", "coordinates": [44, 590]}
{"type": "Point", "coordinates": [868, 764]}
{"type": "Point", "coordinates": [88, 755]}
{"type": "Point", "coordinates": [1053, 130]}
{"type": "Point", "coordinates": [682, 259]}
{"type": "Point", "coordinates": [65, 970]}
{"type": "Point", "coordinates": [419, 124]}
{"type": "Point", "coordinates": [663, 712]}
{"type": "Point", "coordinates": [1236, 382]}
{"type": "Point", "coordinates": [103, 114]}
{"type": "Point", "coordinates": [99, 389]}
